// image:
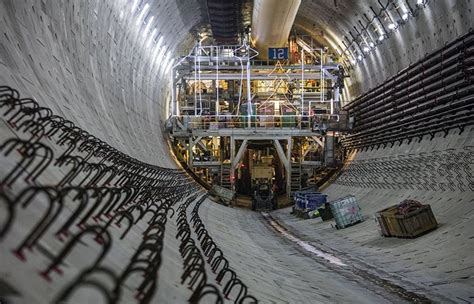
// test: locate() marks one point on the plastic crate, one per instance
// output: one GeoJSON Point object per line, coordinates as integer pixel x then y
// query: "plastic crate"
{"type": "Point", "coordinates": [306, 201]}
{"type": "Point", "coordinates": [314, 201]}
{"type": "Point", "coordinates": [346, 212]}
{"type": "Point", "coordinates": [309, 200]}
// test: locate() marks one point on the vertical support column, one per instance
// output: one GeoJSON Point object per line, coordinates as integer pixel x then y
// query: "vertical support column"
{"type": "Point", "coordinates": [221, 149]}
{"type": "Point", "coordinates": [329, 149]}
{"type": "Point", "coordinates": [213, 107]}
{"type": "Point", "coordinates": [302, 82]}
{"type": "Point", "coordinates": [336, 97]}
{"type": "Point", "coordinates": [217, 82]}
{"type": "Point", "coordinates": [231, 84]}
{"type": "Point", "coordinates": [195, 80]}
{"type": "Point", "coordinates": [321, 79]}
{"type": "Point", "coordinates": [199, 79]}
{"type": "Point", "coordinates": [232, 157]}
{"type": "Point", "coordinates": [285, 161]}
{"type": "Point", "coordinates": [239, 154]}
{"type": "Point", "coordinates": [174, 106]}
{"type": "Point", "coordinates": [249, 92]}
{"type": "Point", "coordinates": [288, 171]}
{"type": "Point", "coordinates": [232, 148]}
{"type": "Point", "coordinates": [190, 152]}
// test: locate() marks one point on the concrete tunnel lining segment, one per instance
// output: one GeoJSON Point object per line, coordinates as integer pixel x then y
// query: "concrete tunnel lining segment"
{"type": "Point", "coordinates": [90, 65]}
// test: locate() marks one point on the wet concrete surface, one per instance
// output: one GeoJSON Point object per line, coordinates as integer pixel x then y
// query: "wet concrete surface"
{"type": "Point", "coordinates": [278, 270]}
{"type": "Point", "coordinates": [350, 268]}
{"type": "Point", "coordinates": [439, 264]}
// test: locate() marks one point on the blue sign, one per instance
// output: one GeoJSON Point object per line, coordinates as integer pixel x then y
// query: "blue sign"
{"type": "Point", "coordinates": [277, 53]}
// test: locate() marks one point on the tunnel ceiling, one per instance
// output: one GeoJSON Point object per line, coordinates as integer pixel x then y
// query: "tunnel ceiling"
{"type": "Point", "coordinates": [224, 16]}
{"type": "Point", "coordinates": [335, 23]}
{"type": "Point", "coordinates": [102, 63]}
{"type": "Point", "coordinates": [424, 28]}
{"type": "Point", "coordinates": [328, 20]}
{"type": "Point", "coordinates": [343, 27]}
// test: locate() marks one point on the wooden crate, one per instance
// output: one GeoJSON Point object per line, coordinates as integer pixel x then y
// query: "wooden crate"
{"type": "Point", "coordinates": [382, 223]}
{"type": "Point", "coordinates": [417, 222]}
{"type": "Point", "coordinates": [388, 224]}
{"type": "Point", "coordinates": [410, 225]}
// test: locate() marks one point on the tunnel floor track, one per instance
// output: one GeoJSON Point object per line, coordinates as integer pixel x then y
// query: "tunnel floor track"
{"type": "Point", "coordinates": [373, 278]}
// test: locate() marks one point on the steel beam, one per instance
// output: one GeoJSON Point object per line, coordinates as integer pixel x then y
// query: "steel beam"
{"type": "Point", "coordinates": [258, 76]}
{"type": "Point", "coordinates": [286, 160]}
{"type": "Point", "coordinates": [239, 155]}
{"type": "Point", "coordinates": [288, 173]}
{"type": "Point", "coordinates": [318, 141]}
{"type": "Point", "coordinates": [281, 154]}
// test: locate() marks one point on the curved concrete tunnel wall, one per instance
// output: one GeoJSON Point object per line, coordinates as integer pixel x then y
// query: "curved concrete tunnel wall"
{"type": "Point", "coordinates": [89, 62]}
{"type": "Point", "coordinates": [84, 61]}
{"type": "Point", "coordinates": [440, 22]}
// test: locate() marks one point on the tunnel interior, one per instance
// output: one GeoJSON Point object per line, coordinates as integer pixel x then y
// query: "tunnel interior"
{"type": "Point", "coordinates": [113, 145]}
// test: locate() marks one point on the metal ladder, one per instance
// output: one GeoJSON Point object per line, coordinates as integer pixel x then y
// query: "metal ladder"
{"type": "Point", "coordinates": [225, 176]}
{"type": "Point", "coordinates": [295, 177]}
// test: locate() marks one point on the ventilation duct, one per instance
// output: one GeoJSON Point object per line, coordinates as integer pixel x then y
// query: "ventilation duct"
{"type": "Point", "coordinates": [272, 21]}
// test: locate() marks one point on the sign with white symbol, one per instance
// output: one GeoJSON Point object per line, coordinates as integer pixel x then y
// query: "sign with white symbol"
{"type": "Point", "coordinates": [277, 53]}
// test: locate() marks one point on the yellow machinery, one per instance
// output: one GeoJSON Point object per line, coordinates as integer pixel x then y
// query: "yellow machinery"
{"type": "Point", "coordinates": [263, 196]}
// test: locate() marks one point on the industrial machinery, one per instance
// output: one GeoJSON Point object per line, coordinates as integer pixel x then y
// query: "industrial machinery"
{"type": "Point", "coordinates": [263, 191]}
{"type": "Point", "coordinates": [227, 97]}
{"type": "Point", "coordinates": [263, 197]}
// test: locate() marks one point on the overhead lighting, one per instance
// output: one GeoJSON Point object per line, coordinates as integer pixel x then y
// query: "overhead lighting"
{"type": "Point", "coordinates": [142, 14]}
{"type": "Point", "coordinates": [366, 49]}
{"type": "Point", "coordinates": [371, 44]}
{"type": "Point", "coordinates": [152, 37]}
{"type": "Point", "coordinates": [155, 54]}
{"type": "Point", "coordinates": [381, 37]}
{"type": "Point", "coordinates": [134, 5]}
{"type": "Point", "coordinates": [160, 41]}
{"type": "Point", "coordinates": [405, 16]}
{"type": "Point", "coordinates": [164, 64]}
{"type": "Point", "coordinates": [159, 58]}
{"type": "Point", "coordinates": [353, 62]}
{"type": "Point", "coordinates": [148, 24]}
{"type": "Point", "coordinates": [392, 26]}
{"type": "Point", "coordinates": [168, 57]}
{"type": "Point", "coordinates": [170, 64]}
{"type": "Point", "coordinates": [420, 2]}
{"type": "Point", "coordinates": [359, 57]}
